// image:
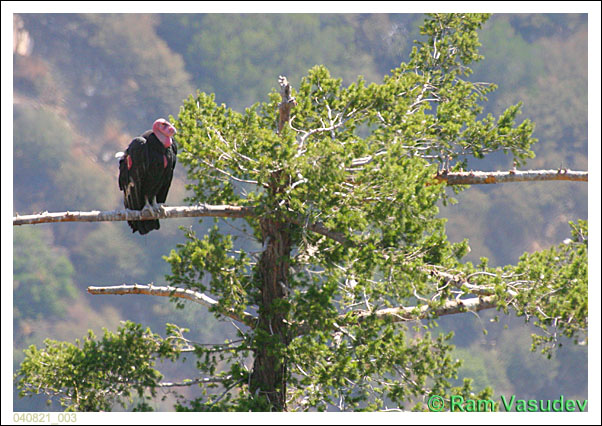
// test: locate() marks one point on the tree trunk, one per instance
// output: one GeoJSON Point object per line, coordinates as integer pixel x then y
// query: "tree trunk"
{"type": "Point", "coordinates": [269, 370]}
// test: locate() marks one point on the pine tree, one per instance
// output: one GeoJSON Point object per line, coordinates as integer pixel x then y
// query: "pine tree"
{"type": "Point", "coordinates": [349, 265]}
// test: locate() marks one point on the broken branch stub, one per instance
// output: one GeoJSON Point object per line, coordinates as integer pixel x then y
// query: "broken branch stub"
{"type": "Point", "coordinates": [288, 101]}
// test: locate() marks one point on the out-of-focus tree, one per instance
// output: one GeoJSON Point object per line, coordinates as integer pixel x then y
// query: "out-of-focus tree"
{"type": "Point", "coordinates": [41, 141]}
{"type": "Point", "coordinates": [534, 26]}
{"type": "Point", "coordinates": [114, 66]}
{"type": "Point", "coordinates": [107, 255]}
{"type": "Point", "coordinates": [228, 52]}
{"type": "Point", "coordinates": [49, 173]}
{"type": "Point", "coordinates": [42, 279]}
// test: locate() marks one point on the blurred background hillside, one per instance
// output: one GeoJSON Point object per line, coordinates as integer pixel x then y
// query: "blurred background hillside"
{"type": "Point", "coordinates": [86, 84]}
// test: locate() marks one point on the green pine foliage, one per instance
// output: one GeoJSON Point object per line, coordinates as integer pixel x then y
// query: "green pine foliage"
{"type": "Point", "coordinates": [94, 374]}
{"type": "Point", "coordinates": [386, 209]}
{"type": "Point", "coordinates": [112, 66]}
{"type": "Point", "coordinates": [561, 274]}
{"type": "Point", "coordinates": [40, 293]}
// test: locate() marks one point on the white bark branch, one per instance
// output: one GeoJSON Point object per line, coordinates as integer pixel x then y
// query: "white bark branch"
{"type": "Point", "coordinates": [194, 296]}
{"type": "Point", "coordinates": [125, 214]}
{"type": "Point", "coordinates": [194, 382]}
{"type": "Point", "coordinates": [479, 177]}
{"type": "Point", "coordinates": [475, 178]}
{"type": "Point", "coordinates": [167, 213]}
{"type": "Point", "coordinates": [414, 313]}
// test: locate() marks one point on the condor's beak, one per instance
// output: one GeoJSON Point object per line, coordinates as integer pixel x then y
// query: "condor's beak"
{"type": "Point", "coordinates": [171, 130]}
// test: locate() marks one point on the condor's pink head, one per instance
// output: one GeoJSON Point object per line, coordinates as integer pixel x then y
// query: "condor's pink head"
{"type": "Point", "coordinates": [164, 131]}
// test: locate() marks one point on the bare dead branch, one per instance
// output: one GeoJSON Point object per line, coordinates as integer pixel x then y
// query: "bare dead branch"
{"type": "Point", "coordinates": [125, 214]}
{"type": "Point", "coordinates": [228, 211]}
{"type": "Point", "coordinates": [230, 175]}
{"type": "Point", "coordinates": [166, 291]}
{"type": "Point", "coordinates": [330, 128]}
{"type": "Point", "coordinates": [414, 313]}
{"type": "Point", "coordinates": [479, 177]}
{"type": "Point", "coordinates": [476, 178]}
{"type": "Point", "coordinates": [459, 281]}
{"type": "Point", "coordinates": [167, 213]}
{"type": "Point", "coordinates": [194, 382]}
{"type": "Point", "coordinates": [319, 228]}
{"type": "Point", "coordinates": [288, 101]}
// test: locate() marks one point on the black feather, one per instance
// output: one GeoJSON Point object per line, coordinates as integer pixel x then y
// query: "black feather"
{"type": "Point", "coordinates": [149, 177]}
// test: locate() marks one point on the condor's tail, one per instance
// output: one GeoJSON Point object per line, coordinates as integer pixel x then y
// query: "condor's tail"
{"type": "Point", "coordinates": [144, 226]}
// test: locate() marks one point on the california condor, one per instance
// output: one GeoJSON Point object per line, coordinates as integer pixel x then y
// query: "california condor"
{"type": "Point", "coordinates": [145, 172]}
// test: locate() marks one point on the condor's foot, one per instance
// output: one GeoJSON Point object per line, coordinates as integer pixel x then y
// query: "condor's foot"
{"type": "Point", "coordinates": [148, 209]}
{"type": "Point", "coordinates": [158, 208]}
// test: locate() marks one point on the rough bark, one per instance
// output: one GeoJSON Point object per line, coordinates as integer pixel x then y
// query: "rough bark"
{"type": "Point", "coordinates": [268, 378]}
{"type": "Point", "coordinates": [269, 368]}
{"type": "Point", "coordinates": [288, 101]}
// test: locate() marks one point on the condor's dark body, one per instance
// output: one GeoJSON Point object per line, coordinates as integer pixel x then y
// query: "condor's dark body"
{"type": "Point", "coordinates": [148, 176]}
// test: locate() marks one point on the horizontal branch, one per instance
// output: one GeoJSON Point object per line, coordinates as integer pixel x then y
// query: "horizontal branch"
{"type": "Point", "coordinates": [414, 313]}
{"type": "Point", "coordinates": [182, 293]}
{"type": "Point", "coordinates": [125, 214]}
{"type": "Point", "coordinates": [207, 380]}
{"type": "Point", "coordinates": [166, 213]}
{"type": "Point", "coordinates": [228, 211]}
{"type": "Point", "coordinates": [476, 178]}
